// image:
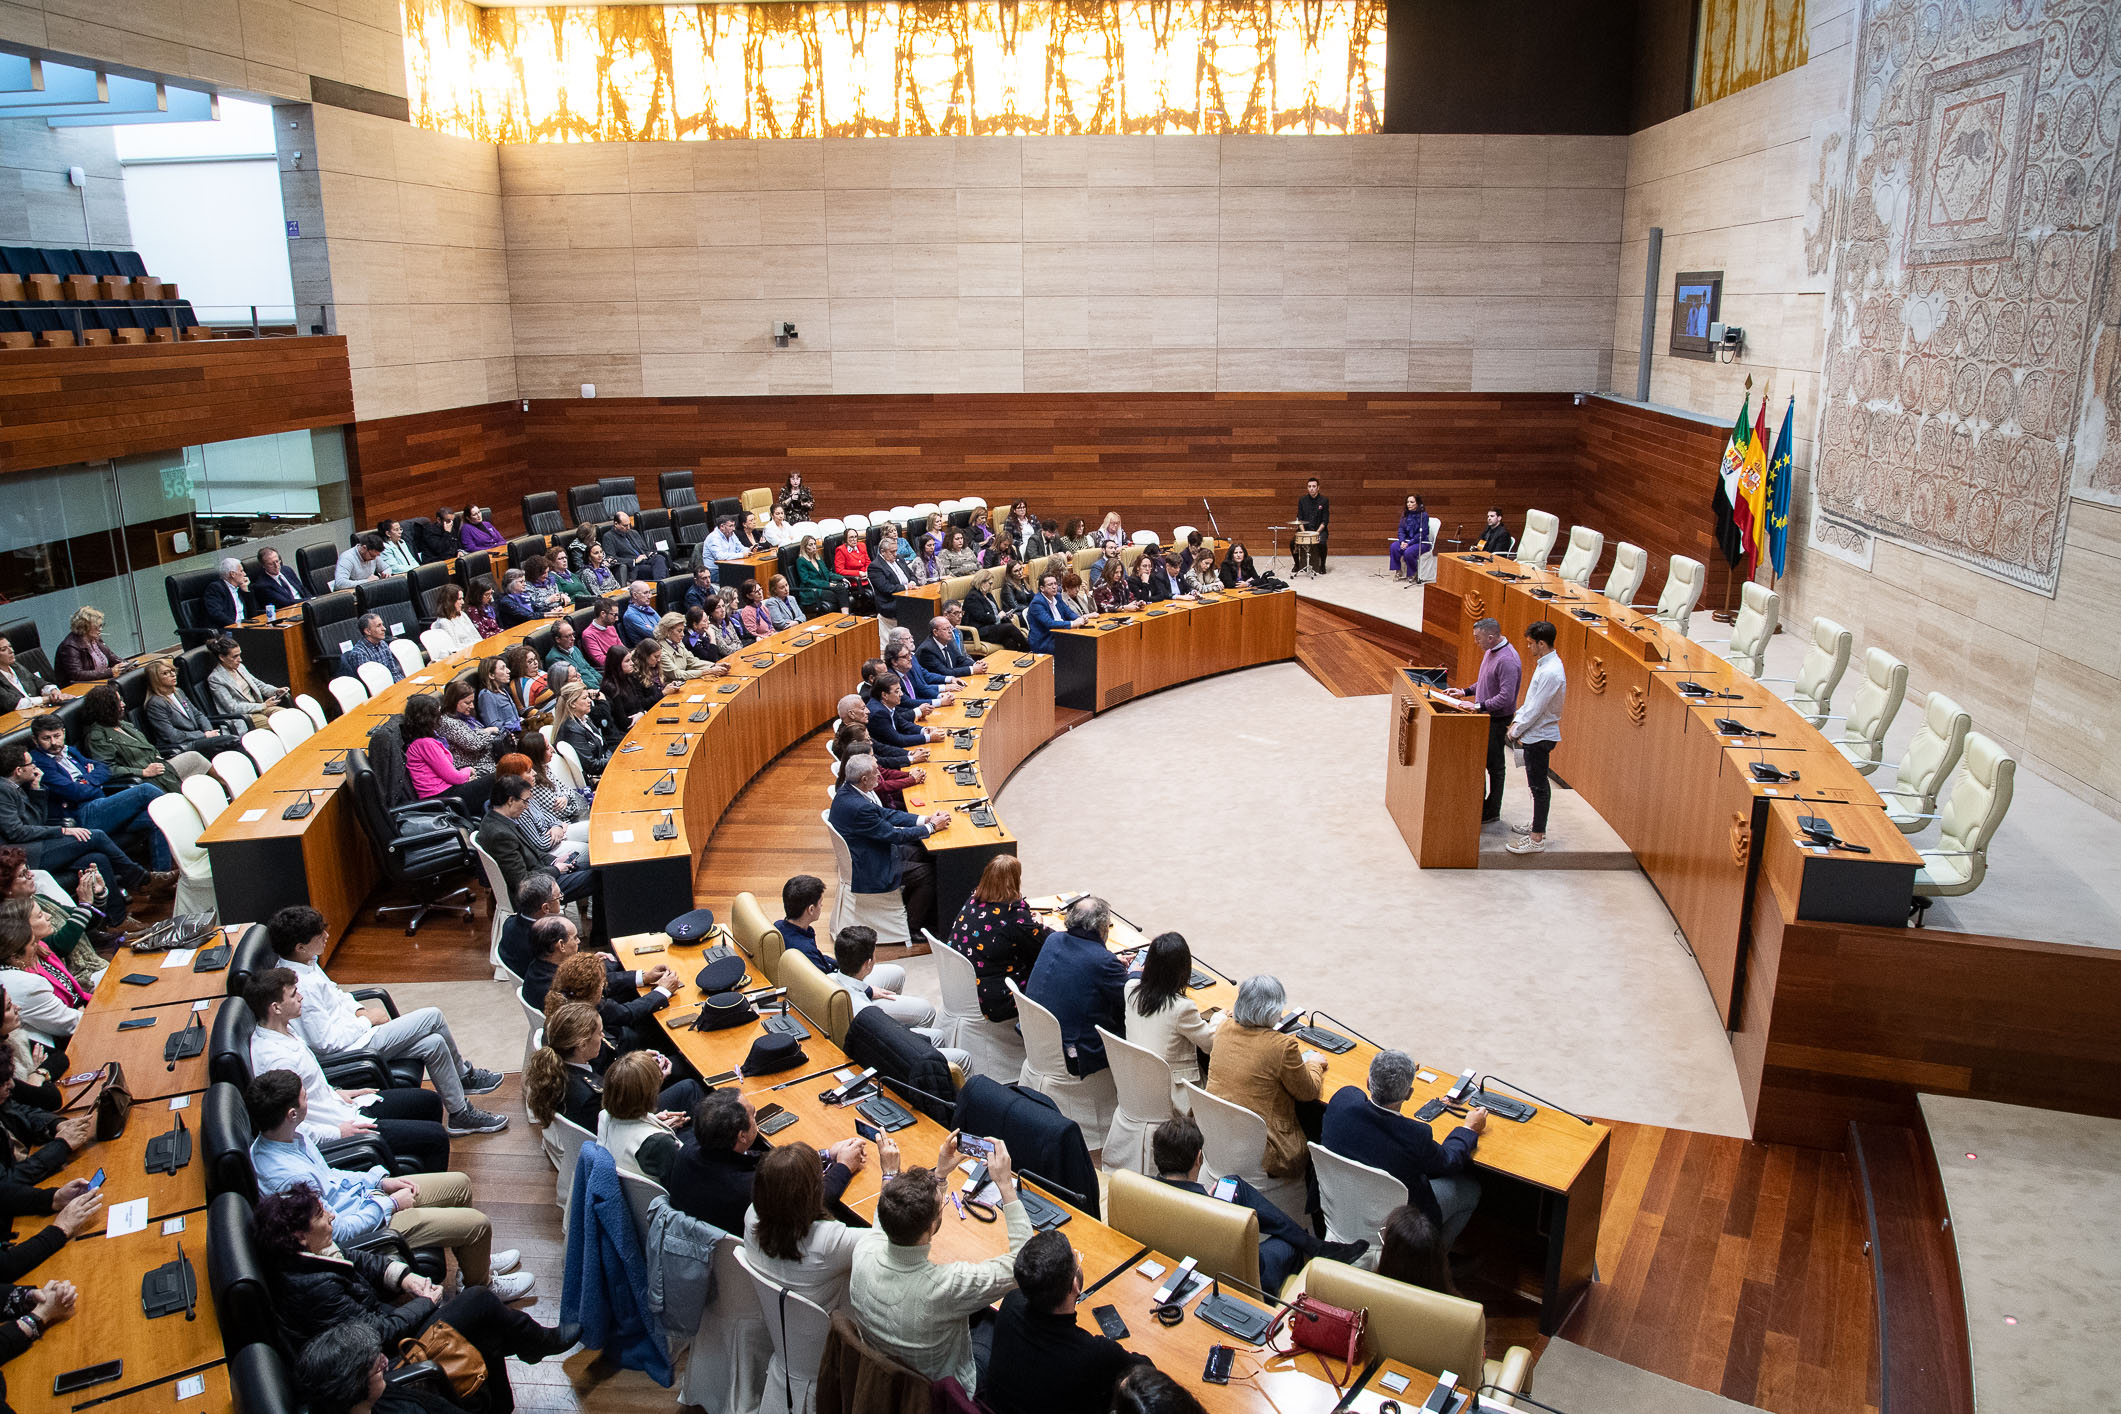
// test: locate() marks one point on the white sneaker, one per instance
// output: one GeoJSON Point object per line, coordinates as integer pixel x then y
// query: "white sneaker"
{"type": "Point", "coordinates": [501, 1263]}
{"type": "Point", "coordinates": [512, 1287]}
{"type": "Point", "coordinates": [1525, 844]}
{"type": "Point", "coordinates": [1517, 829]}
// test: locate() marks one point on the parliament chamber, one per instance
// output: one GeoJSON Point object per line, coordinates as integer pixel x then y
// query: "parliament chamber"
{"type": "Point", "coordinates": [1034, 708]}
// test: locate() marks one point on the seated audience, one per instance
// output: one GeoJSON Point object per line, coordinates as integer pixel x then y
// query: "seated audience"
{"type": "Point", "coordinates": [552, 798]}
{"type": "Point", "coordinates": [987, 615]}
{"type": "Point", "coordinates": [472, 744]}
{"type": "Point", "coordinates": [703, 590]}
{"type": "Point", "coordinates": [371, 646]}
{"type": "Point", "coordinates": [640, 619]}
{"type": "Point", "coordinates": [318, 1288]}
{"type": "Point", "coordinates": [630, 553]}
{"type": "Point", "coordinates": [478, 532]}
{"type": "Point", "coordinates": [536, 897]}
{"type": "Point", "coordinates": [440, 536]}
{"type": "Point", "coordinates": [751, 615]}
{"type": "Point", "coordinates": [398, 555]}
{"type": "Point", "coordinates": [723, 542]}
{"type": "Point", "coordinates": [1163, 1020]}
{"type": "Point", "coordinates": [226, 601]}
{"type": "Point", "coordinates": [35, 1143]}
{"type": "Point", "coordinates": [46, 994]}
{"type": "Point", "coordinates": [1237, 567]}
{"type": "Point", "coordinates": [802, 903]}
{"type": "Point", "coordinates": [971, 649]}
{"type": "Point", "coordinates": [542, 586]}
{"type": "Point", "coordinates": [520, 851]}
{"type": "Point", "coordinates": [567, 647]}
{"type": "Point", "coordinates": [679, 664]}
{"type": "Point", "coordinates": [554, 939]}
{"type": "Point", "coordinates": [408, 1121]}
{"type": "Point", "coordinates": [431, 764]}
{"type": "Point", "coordinates": [1269, 1073]}
{"type": "Point", "coordinates": [24, 821]}
{"type": "Point", "coordinates": [1414, 1251]}
{"type": "Point", "coordinates": [851, 560]}
{"type": "Point", "coordinates": [781, 607]}
{"type": "Point", "coordinates": [1082, 984]}
{"type": "Point", "coordinates": [479, 607]}
{"type": "Point", "coordinates": [885, 845]}
{"type": "Point", "coordinates": [361, 562]}
{"type": "Point", "coordinates": [78, 924]}
{"type": "Point", "coordinates": [941, 655]}
{"type": "Point", "coordinates": [515, 605]}
{"type": "Point", "coordinates": [572, 710]}
{"type": "Point", "coordinates": [855, 712]}
{"type": "Point", "coordinates": [1285, 1244]}
{"type": "Point", "coordinates": [817, 587]}
{"type": "Point", "coordinates": [628, 1025]}
{"type": "Point", "coordinates": [636, 1125]}
{"type": "Point", "coordinates": [236, 691]}
{"type": "Point", "coordinates": [122, 749]}
{"type": "Point", "coordinates": [1369, 1129]}
{"type": "Point", "coordinates": [276, 584]}
{"type": "Point", "coordinates": [1042, 1361]}
{"type": "Point", "coordinates": [83, 656]}
{"type": "Point", "coordinates": [721, 635]}
{"type": "Point", "coordinates": [1047, 613]}
{"type": "Point", "coordinates": [335, 1025]}
{"type": "Point", "coordinates": [453, 622]}
{"type": "Point", "coordinates": [426, 1209]}
{"type": "Point", "coordinates": [592, 578]}
{"type": "Point", "coordinates": [562, 1076]}
{"type": "Point", "coordinates": [1076, 595]}
{"type": "Point", "coordinates": [918, 1311]}
{"type": "Point", "coordinates": [1165, 579]}
{"type": "Point", "coordinates": [174, 721]}
{"type": "Point", "coordinates": [1076, 536]}
{"type": "Point", "coordinates": [779, 531]}
{"type": "Point", "coordinates": [74, 790]}
{"type": "Point", "coordinates": [791, 1237]}
{"type": "Point", "coordinates": [1144, 1389]}
{"type": "Point", "coordinates": [20, 681]}
{"type": "Point", "coordinates": [717, 1162]}
{"type": "Point", "coordinates": [496, 705]}
{"type": "Point", "coordinates": [854, 968]}
{"type": "Point", "coordinates": [957, 557]}
{"type": "Point", "coordinates": [891, 783]}
{"type": "Point", "coordinates": [996, 930]}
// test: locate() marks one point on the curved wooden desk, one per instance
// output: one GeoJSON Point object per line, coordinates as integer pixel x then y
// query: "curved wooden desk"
{"type": "Point", "coordinates": [1647, 753]}
{"type": "Point", "coordinates": [1105, 659]}
{"type": "Point", "coordinates": [777, 692]}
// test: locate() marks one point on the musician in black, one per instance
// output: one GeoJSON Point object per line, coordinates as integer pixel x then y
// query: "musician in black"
{"type": "Point", "coordinates": [1496, 539]}
{"type": "Point", "coordinates": [1314, 512]}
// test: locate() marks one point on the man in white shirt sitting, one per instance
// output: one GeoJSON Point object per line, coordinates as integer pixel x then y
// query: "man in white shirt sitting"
{"type": "Point", "coordinates": [334, 1024]}
{"type": "Point", "coordinates": [408, 1121]}
{"type": "Point", "coordinates": [869, 984]}
{"type": "Point", "coordinates": [1537, 729]}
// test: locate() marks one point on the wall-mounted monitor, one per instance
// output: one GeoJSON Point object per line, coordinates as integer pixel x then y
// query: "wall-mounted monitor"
{"type": "Point", "coordinates": [1697, 302]}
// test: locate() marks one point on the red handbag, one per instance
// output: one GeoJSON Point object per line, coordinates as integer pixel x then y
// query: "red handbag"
{"type": "Point", "coordinates": [1326, 1330]}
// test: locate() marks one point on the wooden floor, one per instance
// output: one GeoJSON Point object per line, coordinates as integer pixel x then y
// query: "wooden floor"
{"type": "Point", "coordinates": [1347, 661]}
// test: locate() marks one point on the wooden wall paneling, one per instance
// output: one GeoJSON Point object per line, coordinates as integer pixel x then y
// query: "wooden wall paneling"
{"type": "Point", "coordinates": [1847, 1023]}
{"type": "Point", "coordinates": [59, 406]}
{"type": "Point", "coordinates": [409, 466]}
{"type": "Point", "coordinates": [1650, 478]}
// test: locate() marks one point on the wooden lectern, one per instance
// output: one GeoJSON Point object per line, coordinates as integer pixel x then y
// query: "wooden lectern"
{"type": "Point", "coordinates": [1436, 776]}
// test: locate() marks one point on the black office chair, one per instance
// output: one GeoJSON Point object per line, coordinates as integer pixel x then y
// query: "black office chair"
{"type": "Point", "coordinates": [474, 567]}
{"type": "Point", "coordinates": [541, 513]}
{"type": "Point", "coordinates": [724, 506]}
{"type": "Point", "coordinates": [670, 593]}
{"type": "Point", "coordinates": [22, 636]}
{"type": "Point", "coordinates": [675, 489]}
{"type": "Point", "coordinates": [586, 503]}
{"type": "Point", "coordinates": [252, 953]}
{"type": "Point", "coordinates": [259, 1383]}
{"type": "Point", "coordinates": [416, 531]}
{"type": "Point", "coordinates": [424, 582]}
{"type": "Point", "coordinates": [786, 557]}
{"type": "Point", "coordinates": [315, 564]}
{"type": "Point", "coordinates": [413, 852]}
{"type": "Point", "coordinates": [187, 605]}
{"type": "Point", "coordinates": [522, 548]}
{"type": "Point", "coordinates": [620, 494]}
{"type": "Point", "coordinates": [690, 527]}
{"type": "Point", "coordinates": [392, 598]}
{"type": "Point", "coordinates": [334, 623]}
{"type": "Point", "coordinates": [228, 1056]}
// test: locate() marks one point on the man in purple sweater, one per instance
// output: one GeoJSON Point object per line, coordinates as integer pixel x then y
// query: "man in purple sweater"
{"type": "Point", "coordinates": [1495, 693]}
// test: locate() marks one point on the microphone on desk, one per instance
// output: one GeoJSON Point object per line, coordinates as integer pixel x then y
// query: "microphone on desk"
{"type": "Point", "coordinates": [666, 784]}
{"type": "Point", "coordinates": [1530, 1096]}
{"type": "Point", "coordinates": [948, 1107]}
{"type": "Point", "coordinates": [191, 1285]}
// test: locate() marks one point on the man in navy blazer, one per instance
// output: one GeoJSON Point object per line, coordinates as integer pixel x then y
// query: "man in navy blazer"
{"type": "Point", "coordinates": [1369, 1129]}
{"type": "Point", "coordinates": [883, 844]}
{"type": "Point", "coordinates": [223, 602]}
{"type": "Point", "coordinates": [942, 654]}
{"type": "Point", "coordinates": [1047, 613]}
{"type": "Point", "coordinates": [1082, 984]}
{"type": "Point", "coordinates": [278, 585]}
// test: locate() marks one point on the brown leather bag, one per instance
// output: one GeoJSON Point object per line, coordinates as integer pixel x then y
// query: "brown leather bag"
{"type": "Point", "coordinates": [443, 1345]}
{"type": "Point", "coordinates": [114, 1102]}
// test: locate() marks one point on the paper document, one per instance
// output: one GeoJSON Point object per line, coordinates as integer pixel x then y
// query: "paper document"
{"type": "Point", "coordinates": [126, 1218]}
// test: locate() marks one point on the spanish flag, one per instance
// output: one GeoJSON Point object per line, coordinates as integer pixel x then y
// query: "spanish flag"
{"type": "Point", "coordinates": [1730, 535]}
{"type": "Point", "coordinates": [1751, 500]}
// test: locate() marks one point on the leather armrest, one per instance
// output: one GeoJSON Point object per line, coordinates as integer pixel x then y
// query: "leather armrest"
{"type": "Point", "coordinates": [423, 1373]}
{"type": "Point", "coordinates": [355, 1072]}
{"type": "Point", "coordinates": [375, 994]}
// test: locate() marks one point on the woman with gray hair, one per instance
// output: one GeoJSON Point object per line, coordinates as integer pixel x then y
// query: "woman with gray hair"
{"type": "Point", "coordinates": [1269, 1073]}
{"type": "Point", "coordinates": [680, 664]}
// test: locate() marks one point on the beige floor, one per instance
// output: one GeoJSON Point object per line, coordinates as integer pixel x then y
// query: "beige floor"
{"type": "Point", "coordinates": [2036, 1215]}
{"type": "Point", "coordinates": [1573, 1378]}
{"type": "Point", "coordinates": [1247, 813]}
{"type": "Point", "coordinates": [2050, 868]}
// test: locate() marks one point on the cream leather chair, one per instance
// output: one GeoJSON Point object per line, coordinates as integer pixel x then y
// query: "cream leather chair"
{"type": "Point", "coordinates": [178, 820]}
{"type": "Point", "coordinates": [1759, 611]}
{"type": "Point", "coordinates": [1871, 714]}
{"type": "Point", "coordinates": [1927, 764]}
{"type": "Point", "coordinates": [1089, 1100]}
{"type": "Point", "coordinates": [1357, 1200]}
{"type": "Point", "coordinates": [1422, 1328]}
{"type": "Point", "coordinates": [1630, 563]}
{"type": "Point", "coordinates": [236, 770]}
{"type": "Point", "coordinates": [1143, 1081]}
{"type": "Point", "coordinates": [206, 795]}
{"type": "Point", "coordinates": [996, 1050]}
{"type": "Point", "coordinates": [1426, 571]}
{"type": "Point", "coordinates": [1974, 809]}
{"type": "Point", "coordinates": [292, 726]}
{"type": "Point", "coordinates": [1683, 584]}
{"type": "Point", "coordinates": [756, 935]}
{"type": "Point", "coordinates": [829, 1008]}
{"type": "Point", "coordinates": [1223, 1238]}
{"type": "Point", "coordinates": [1812, 690]}
{"type": "Point", "coordinates": [1541, 530]}
{"type": "Point", "coordinates": [1585, 546]}
{"type": "Point", "coordinates": [1234, 1141]}
{"type": "Point", "coordinates": [348, 692]}
{"type": "Point", "coordinates": [758, 498]}
{"type": "Point", "coordinates": [885, 912]}
{"type": "Point", "coordinates": [375, 677]}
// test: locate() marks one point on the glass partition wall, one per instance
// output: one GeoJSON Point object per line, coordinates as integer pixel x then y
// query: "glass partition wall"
{"type": "Point", "coordinates": [110, 533]}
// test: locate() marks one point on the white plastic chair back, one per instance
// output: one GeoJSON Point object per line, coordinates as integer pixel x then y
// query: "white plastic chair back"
{"type": "Point", "coordinates": [1630, 563]}
{"type": "Point", "coordinates": [1759, 611]}
{"type": "Point", "coordinates": [829, 527]}
{"type": "Point", "coordinates": [1972, 814]}
{"type": "Point", "coordinates": [925, 508]}
{"type": "Point", "coordinates": [265, 747]}
{"type": "Point", "coordinates": [855, 524]}
{"type": "Point", "coordinates": [206, 796]}
{"type": "Point", "coordinates": [439, 645]}
{"type": "Point", "coordinates": [1871, 714]}
{"type": "Point", "coordinates": [410, 659]}
{"type": "Point", "coordinates": [1144, 537]}
{"type": "Point", "coordinates": [179, 822]}
{"type": "Point", "coordinates": [1427, 568]}
{"type": "Point", "coordinates": [1087, 1099]}
{"type": "Point", "coordinates": [640, 1190]}
{"type": "Point", "coordinates": [1585, 546]}
{"type": "Point", "coordinates": [311, 708]}
{"type": "Point", "coordinates": [504, 908]}
{"type": "Point", "coordinates": [731, 1351]}
{"type": "Point", "coordinates": [375, 677]}
{"type": "Point", "coordinates": [951, 506]}
{"type": "Point", "coordinates": [570, 1137]}
{"type": "Point", "coordinates": [885, 912]}
{"type": "Point", "coordinates": [568, 766]}
{"type": "Point", "coordinates": [1180, 532]}
{"type": "Point", "coordinates": [901, 513]}
{"type": "Point", "coordinates": [1142, 1080]}
{"type": "Point", "coordinates": [291, 726]}
{"type": "Point", "coordinates": [996, 1050]}
{"type": "Point", "coordinates": [1927, 764]}
{"type": "Point", "coordinates": [1541, 530]}
{"type": "Point", "coordinates": [1683, 584]}
{"type": "Point", "coordinates": [349, 693]}
{"type": "Point", "coordinates": [976, 502]}
{"type": "Point", "coordinates": [798, 1327]}
{"type": "Point", "coordinates": [1234, 1140]}
{"type": "Point", "coordinates": [533, 1042]}
{"type": "Point", "coordinates": [806, 527]}
{"type": "Point", "coordinates": [1824, 663]}
{"type": "Point", "coordinates": [235, 770]}
{"type": "Point", "coordinates": [1356, 1198]}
